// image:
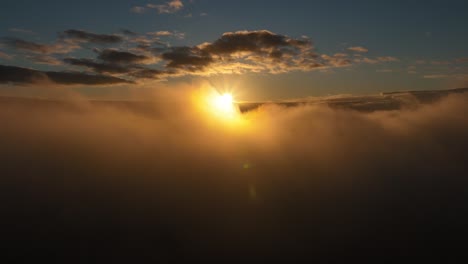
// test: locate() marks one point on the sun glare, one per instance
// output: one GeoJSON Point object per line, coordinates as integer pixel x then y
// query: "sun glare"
{"type": "Point", "coordinates": [223, 103]}
{"type": "Point", "coordinates": [220, 107]}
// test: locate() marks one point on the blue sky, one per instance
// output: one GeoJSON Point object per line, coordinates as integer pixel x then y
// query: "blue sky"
{"type": "Point", "coordinates": [426, 41]}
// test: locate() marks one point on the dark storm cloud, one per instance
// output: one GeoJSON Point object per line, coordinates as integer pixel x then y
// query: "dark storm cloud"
{"type": "Point", "coordinates": [151, 180]}
{"type": "Point", "coordinates": [189, 58]}
{"type": "Point", "coordinates": [82, 35]}
{"type": "Point", "coordinates": [11, 74]}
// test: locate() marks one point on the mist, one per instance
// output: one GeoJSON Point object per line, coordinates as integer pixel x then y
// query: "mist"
{"type": "Point", "coordinates": [164, 181]}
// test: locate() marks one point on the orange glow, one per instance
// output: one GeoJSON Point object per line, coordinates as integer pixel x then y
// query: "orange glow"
{"type": "Point", "coordinates": [220, 108]}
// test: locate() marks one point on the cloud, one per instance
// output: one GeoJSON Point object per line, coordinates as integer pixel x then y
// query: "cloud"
{"type": "Point", "coordinates": [387, 59]}
{"type": "Point", "coordinates": [5, 56]}
{"type": "Point", "coordinates": [113, 61]}
{"type": "Point", "coordinates": [453, 76]}
{"type": "Point", "coordinates": [21, 30]}
{"type": "Point", "coordinates": [385, 70]}
{"type": "Point", "coordinates": [138, 9]}
{"type": "Point", "coordinates": [98, 66]}
{"type": "Point", "coordinates": [44, 59]}
{"type": "Point", "coordinates": [121, 57]}
{"type": "Point", "coordinates": [188, 58]}
{"type": "Point", "coordinates": [244, 51]}
{"type": "Point", "coordinates": [159, 179]}
{"type": "Point", "coordinates": [358, 49]}
{"type": "Point", "coordinates": [375, 60]}
{"type": "Point", "coordinates": [165, 33]}
{"type": "Point", "coordinates": [12, 74]}
{"type": "Point", "coordinates": [441, 62]}
{"type": "Point", "coordinates": [257, 51]}
{"type": "Point", "coordinates": [436, 76]}
{"type": "Point", "coordinates": [148, 73]}
{"type": "Point", "coordinates": [170, 7]}
{"type": "Point", "coordinates": [24, 45]}
{"type": "Point", "coordinates": [128, 32]}
{"type": "Point", "coordinates": [84, 36]}
{"type": "Point", "coordinates": [260, 42]}
{"type": "Point", "coordinates": [337, 60]}
{"type": "Point", "coordinates": [263, 50]}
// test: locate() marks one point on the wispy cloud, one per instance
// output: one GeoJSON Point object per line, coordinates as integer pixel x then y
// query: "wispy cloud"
{"type": "Point", "coordinates": [5, 56]}
{"type": "Point", "coordinates": [387, 59]}
{"type": "Point", "coordinates": [21, 30]}
{"type": "Point", "coordinates": [385, 70]}
{"type": "Point", "coordinates": [436, 76]}
{"type": "Point", "coordinates": [85, 36]}
{"type": "Point", "coordinates": [461, 60]}
{"type": "Point", "coordinates": [165, 33]}
{"type": "Point", "coordinates": [11, 74]}
{"type": "Point", "coordinates": [44, 59]}
{"type": "Point", "coordinates": [170, 7]}
{"type": "Point", "coordinates": [59, 46]}
{"type": "Point", "coordinates": [358, 49]}
{"type": "Point", "coordinates": [138, 9]}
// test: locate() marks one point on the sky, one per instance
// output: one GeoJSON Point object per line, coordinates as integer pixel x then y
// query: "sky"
{"type": "Point", "coordinates": [359, 47]}
{"type": "Point", "coordinates": [233, 131]}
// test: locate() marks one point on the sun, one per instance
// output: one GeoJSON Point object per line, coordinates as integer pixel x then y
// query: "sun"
{"type": "Point", "coordinates": [219, 106]}
{"type": "Point", "coordinates": [223, 105]}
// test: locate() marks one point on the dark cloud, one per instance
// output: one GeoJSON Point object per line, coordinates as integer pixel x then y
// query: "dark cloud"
{"type": "Point", "coordinates": [117, 62]}
{"type": "Point", "coordinates": [82, 35]}
{"type": "Point", "coordinates": [121, 57]}
{"type": "Point", "coordinates": [157, 181]}
{"type": "Point", "coordinates": [128, 32]}
{"type": "Point", "coordinates": [148, 73]}
{"type": "Point", "coordinates": [258, 51]}
{"type": "Point", "coordinates": [57, 47]}
{"type": "Point", "coordinates": [26, 45]}
{"type": "Point", "coordinates": [189, 58]}
{"type": "Point", "coordinates": [259, 42]}
{"type": "Point", "coordinates": [12, 74]}
{"type": "Point", "coordinates": [98, 66]}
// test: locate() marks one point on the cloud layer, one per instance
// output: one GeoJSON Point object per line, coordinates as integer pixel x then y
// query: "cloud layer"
{"type": "Point", "coordinates": [131, 56]}
{"type": "Point", "coordinates": [160, 180]}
